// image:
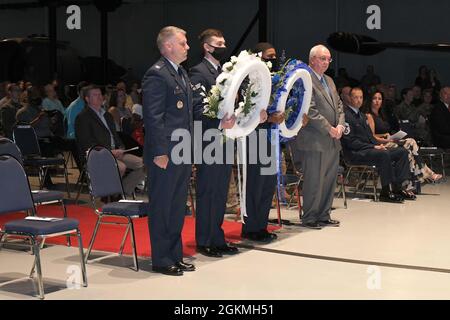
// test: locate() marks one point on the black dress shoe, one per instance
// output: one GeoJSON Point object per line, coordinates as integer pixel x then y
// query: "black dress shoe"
{"type": "Point", "coordinates": [209, 251]}
{"type": "Point", "coordinates": [311, 225]}
{"type": "Point", "coordinates": [169, 270]}
{"type": "Point", "coordinates": [329, 223]}
{"type": "Point", "coordinates": [254, 236]}
{"type": "Point", "coordinates": [390, 197]}
{"type": "Point", "coordinates": [183, 266]}
{"type": "Point", "coordinates": [268, 235]}
{"type": "Point", "coordinates": [407, 195]}
{"type": "Point", "coordinates": [227, 249]}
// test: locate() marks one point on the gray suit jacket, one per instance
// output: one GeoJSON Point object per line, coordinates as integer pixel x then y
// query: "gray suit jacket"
{"type": "Point", "coordinates": [323, 114]}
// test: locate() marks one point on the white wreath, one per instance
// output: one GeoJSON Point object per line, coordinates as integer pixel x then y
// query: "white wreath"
{"type": "Point", "coordinates": [305, 76]}
{"type": "Point", "coordinates": [251, 66]}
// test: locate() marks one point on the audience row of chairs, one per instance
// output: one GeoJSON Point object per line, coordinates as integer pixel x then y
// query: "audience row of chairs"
{"type": "Point", "coordinates": [16, 196]}
{"type": "Point", "coordinates": [104, 180]}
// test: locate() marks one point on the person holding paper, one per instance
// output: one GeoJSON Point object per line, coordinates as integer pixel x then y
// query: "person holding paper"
{"type": "Point", "coordinates": [381, 129]}
{"type": "Point", "coordinates": [94, 126]}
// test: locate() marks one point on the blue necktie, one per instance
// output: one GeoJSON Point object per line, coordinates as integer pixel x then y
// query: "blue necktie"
{"type": "Point", "coordinates": [324, 83]}
{"type": "Point", "coordinates": [180, 73]}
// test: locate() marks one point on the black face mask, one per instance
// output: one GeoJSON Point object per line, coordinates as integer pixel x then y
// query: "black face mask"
{"type": "Point", "coordinates": [275, 64]}
{"type": "Point", "coordinates": [219, 53]}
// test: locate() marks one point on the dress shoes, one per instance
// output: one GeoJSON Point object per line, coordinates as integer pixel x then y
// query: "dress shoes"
{"type": "Point", "coordinates": [209, 251]}
{"type": "Point", "coordinates": [268, 235]}
{"type": "Point", "coordinates": [183, 266]}
{"type": "Point", "coordinates": [329, 223]}
{"type": "Point", "coordinates": [227, 249]}
{"type": "Point", "coordinates": [254, 236]}
{"type": "Point", "coordinates": [390, 197]}
{"type": "Point", "coordinates": [169, 270]}
{"type": "Point", "coordinates": [312, 225]}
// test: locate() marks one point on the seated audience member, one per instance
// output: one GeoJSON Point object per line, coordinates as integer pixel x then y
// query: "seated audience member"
{"type": "Point", "coordinates": [9, 110]}
{"type": "Point", "coordinates": [51, 101]}
{"type": "Point", "coordinates": [33, 114]}
{"type": "Point", "coordinates": [440, 120]}
{"type": "Point", "coordinates": [423, 79]}
{"type": "Point", "coordinates": [345, 95]}
{"type": "Point", "coordinates": [95, 126]}
{"type": "Point", "coordinates": [121, 85]}
{"type": "Point", "coordinates": [370, 78]}
{"type": "Point", "coordinates": [360, 147]}
{"type": "Point", "coordinates": [381, 131]}
{"type": "Point", "coordinates": [117, 107]}
{"type": "Point", "coordinates": [407, 112]}
{"type": "Point", "coordinates": [74, 109]}
{"type": "Point", "coordinates": [417, 95]}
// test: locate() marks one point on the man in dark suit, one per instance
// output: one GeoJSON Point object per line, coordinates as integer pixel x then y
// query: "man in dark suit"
{"type": "Point", "coordinates": [360, 147]}
{"type": "Point", "coordinates": [317, 145]}
{"type": "Point", "coordinates": [167, 110]}
{"type": "Point", "coordinates": [440, 120]}
{"type": "Point", "coordinates": [95, 126]}
{"type": "Point", "coordinates": [212, 179]}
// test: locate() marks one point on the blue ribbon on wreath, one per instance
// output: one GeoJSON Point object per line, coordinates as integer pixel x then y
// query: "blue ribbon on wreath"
{"type": "Point", "coordinates": [293, 102]}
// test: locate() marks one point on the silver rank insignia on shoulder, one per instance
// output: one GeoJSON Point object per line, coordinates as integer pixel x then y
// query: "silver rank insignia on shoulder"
{"type": "Point", "coordinates": [180, 104]}
{"type": "Point", "coordinates": [346, 128]}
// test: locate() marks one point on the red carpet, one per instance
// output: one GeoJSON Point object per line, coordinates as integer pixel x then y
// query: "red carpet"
{"type": "Point", "coordinates": [110, 236]}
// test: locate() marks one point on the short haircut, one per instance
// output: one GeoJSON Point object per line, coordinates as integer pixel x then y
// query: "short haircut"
{"type": "Point", "coordinates": [313, 51]}
{"type": "Point", "coordinates": [165, 34]}
{"type": "Point", "coordinates": [262, 46]}
{"type": "Point", "coordinates": [87, 90]}
{"type": "Point", "coordinates": [207, 34]}
{"type": "Point", "coordinates": [356, 89]}
{"type": "Point", "coordinates": [80, 86]}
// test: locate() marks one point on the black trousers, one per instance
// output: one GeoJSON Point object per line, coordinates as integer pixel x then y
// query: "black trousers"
{"type": "Point", "coordinates": [392, 164]}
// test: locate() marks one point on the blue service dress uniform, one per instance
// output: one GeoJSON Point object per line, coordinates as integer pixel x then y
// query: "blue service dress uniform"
{"type": "Point", "coordinates": [167, 106]}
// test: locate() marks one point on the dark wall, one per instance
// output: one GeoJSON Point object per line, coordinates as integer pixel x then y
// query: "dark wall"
{"type": "Point", "coordinates": [294, 26]}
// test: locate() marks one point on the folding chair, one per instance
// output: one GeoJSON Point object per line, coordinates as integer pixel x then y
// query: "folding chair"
{"type": "Point", "coordinates": [26, 139]}
{"type": "Point", "coordinates": [365, 174]}
{"type": "Point", "coordinates": [105, 181]}
{"type": "Point", "coordinates": [15, 195]}
{"type": "Point", "coordinates": [7, 147]}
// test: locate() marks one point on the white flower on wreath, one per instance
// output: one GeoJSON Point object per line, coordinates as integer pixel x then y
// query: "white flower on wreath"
{"type": "Point", "coordinates": [233, 59]}
{"type": "Point", "coordinates": [228, 66]}
{"type": "Point", "coordinates": [223, 76]}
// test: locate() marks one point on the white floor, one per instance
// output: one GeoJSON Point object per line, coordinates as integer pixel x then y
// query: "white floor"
{"type": "Point", "coordinates": [380, 251]}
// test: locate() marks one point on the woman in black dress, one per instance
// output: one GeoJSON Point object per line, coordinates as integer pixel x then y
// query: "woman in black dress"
{"type": "Point", "coordinates": [381, 131]}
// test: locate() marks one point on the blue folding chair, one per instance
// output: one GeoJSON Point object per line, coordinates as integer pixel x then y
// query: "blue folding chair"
{"type": "Point", "coordinates": [26, 139]}
{"type": "Point", "coordinates": [7, 147]}
{"type": "Point", "coordinates": [15, 195]}
{"type": "Point", "coordinates": [104, 181]}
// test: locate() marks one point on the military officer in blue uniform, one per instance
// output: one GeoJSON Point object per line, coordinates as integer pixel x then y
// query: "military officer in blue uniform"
{"type": "Point", "coordinates": [167, 106]}
{"type": "Point", "coordinates": [212, 179]}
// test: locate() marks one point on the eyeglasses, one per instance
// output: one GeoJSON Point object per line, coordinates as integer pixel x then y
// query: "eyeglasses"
{"type": "Point", "coordinates": [323, 59]}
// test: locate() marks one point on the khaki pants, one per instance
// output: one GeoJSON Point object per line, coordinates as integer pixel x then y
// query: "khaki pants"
{"type": "Point", "coordinates": [137, 174]}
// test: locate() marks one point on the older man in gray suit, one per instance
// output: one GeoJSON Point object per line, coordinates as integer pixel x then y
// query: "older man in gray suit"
{"type": "Point", "coordinates": [316, 147]}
